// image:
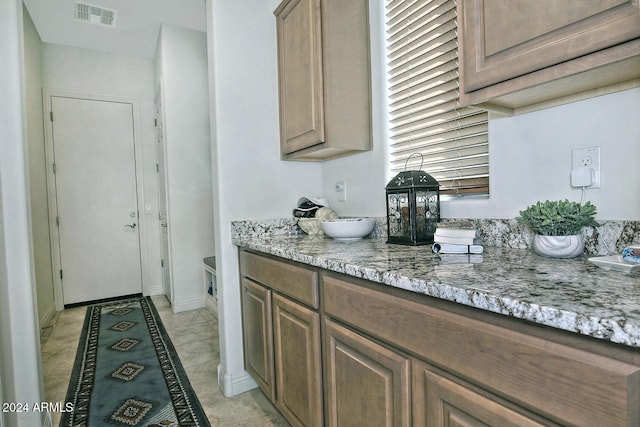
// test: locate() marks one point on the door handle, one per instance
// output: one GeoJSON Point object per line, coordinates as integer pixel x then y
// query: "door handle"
{"type": "Point", "coordinates": [163, 225]}
{"type": "Point", "coordinates": [132, 225]}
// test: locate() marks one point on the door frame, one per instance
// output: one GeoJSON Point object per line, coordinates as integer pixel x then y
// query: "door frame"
{"type": "Point", "coordinates": [47, 94]}
{"type": "Point", "coordinates": [160, 111]}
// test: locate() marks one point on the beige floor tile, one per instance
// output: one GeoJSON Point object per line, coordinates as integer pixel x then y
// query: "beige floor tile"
{"type": "Point", "coordinates": [186, 318]}
{"type": "Point", "coordinates": [197, 352]}
{"type": "Point", "coordinates": [246, 409]}
{"type": "Point", "coordinates": [194, 334]}
{"type": "Point", "coordinates": [203, 377]}
{"type": "Point", "coordinates": [207, 315]}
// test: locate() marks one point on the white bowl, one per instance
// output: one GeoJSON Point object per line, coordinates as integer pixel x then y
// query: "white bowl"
{"type": "Point", "coordinates": [348, 228]}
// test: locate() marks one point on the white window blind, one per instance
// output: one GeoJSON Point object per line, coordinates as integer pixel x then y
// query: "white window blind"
{"type": "Point", "coordinates": [424, 110]}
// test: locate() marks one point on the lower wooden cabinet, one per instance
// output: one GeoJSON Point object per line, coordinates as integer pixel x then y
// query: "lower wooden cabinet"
{"type": "Point", "coordinates": [441, 401]}
{"type": "Point", "coordinates": [507, 369]}
{"type": "Point", "coordinates": [332, 350]}
{"type": "Point", "coordinates": [281, 335]}
{"type": "Point", "coordinates": [367, 384]}
{"type": "Point", "coordinates": [296, 339]}
{"type": "Point", "coordinates": [257, 336]}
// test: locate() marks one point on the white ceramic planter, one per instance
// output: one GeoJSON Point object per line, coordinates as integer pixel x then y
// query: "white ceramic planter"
{"type": "Point", "coordinates": [558, 246]}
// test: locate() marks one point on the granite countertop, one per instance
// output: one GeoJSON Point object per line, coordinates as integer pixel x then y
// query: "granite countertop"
{"type": "Point", "coordinates": [569, 294]}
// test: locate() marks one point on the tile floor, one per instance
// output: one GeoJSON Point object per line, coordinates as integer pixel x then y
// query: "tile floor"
{"type": "Point", "coordinates": [194, 335]}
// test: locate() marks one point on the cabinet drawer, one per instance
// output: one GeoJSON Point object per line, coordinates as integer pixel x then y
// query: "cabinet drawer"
{"type": "Point", "coordinates": [558, 381]}
{"type": "Point", "coordinates": [297, 282]}
{"type": "Point", "coordinates": [441, 401]}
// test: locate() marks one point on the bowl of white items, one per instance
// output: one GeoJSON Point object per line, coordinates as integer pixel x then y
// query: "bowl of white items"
{"type": "Point", "coordinates": [313, 226]}
{"type": "Point", "coordinates": [348, 228]}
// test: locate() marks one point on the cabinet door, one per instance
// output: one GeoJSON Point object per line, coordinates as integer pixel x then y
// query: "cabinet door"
{"type": "Point", "coordinates": [257, 334]}
{"type": "Point", "coordinates": [296, 332]}
{"type": "Point", "coordinates": [504, 39]}
{"type": "Point", "coordinates": [300, 74]}
{"type": "Point", "coordinates": [366, 383]}
{"type": "Point", "coordinates": [440, 402]}
{"type": "Point", "coordinates": [347, 74]}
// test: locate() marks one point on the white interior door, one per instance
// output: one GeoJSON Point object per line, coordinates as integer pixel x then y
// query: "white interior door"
{"type": "Point", "coordinates": [162, 199]}
{"type": "Point", "coordinates": [96, 198]}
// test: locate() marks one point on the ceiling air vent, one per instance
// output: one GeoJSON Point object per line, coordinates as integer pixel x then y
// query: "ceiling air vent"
{"type": "Point", "coordinates": [95, 15]}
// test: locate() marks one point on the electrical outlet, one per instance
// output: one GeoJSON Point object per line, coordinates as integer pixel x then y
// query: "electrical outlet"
{"type": "Point", "coordinates": [587, 158]}
{"type": "Point", "coordinates": [585, 161]}
{"type": "Point", "coordinates": [341, 189]}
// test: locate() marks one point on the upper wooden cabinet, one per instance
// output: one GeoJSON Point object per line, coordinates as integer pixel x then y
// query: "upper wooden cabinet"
{"type": "Point", "coordinates": [324, 78]}
{"type": "Point", "coordinates": [516, 53]}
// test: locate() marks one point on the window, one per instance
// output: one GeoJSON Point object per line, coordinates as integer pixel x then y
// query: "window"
{"type": "Point", "coordinates": [425, 115]}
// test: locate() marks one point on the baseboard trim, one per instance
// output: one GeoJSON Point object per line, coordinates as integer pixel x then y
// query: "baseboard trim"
{"type": "Point", "coordinates": [212, 304]}
{"type": "Point", "coordinates": [100, 301]}
{"type": "Point", "coordinates": [194, 304]}
{"type": "Point", "coordinates": [233, 385]}
{"type": "Point", "coordinates": [154, 290]}
{"type": "Point", "coordinates": [48, 316]}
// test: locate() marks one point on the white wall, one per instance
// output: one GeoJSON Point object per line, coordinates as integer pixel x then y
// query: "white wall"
{"type": "Point", "coordinates": [250, 180]}
{"type": "Point", "coordinates": [530, 158]}
{"type": "Point", "coordinates": [181, 65]}
{"type": "Point", "coordinates": [37, 169]}
{"type": "Point", "coordinates": [20, 368]}
{"type": "Point", "coordinates": [90, 72]}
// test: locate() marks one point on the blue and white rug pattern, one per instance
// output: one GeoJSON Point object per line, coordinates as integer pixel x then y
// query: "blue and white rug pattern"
{"type": "Point", "coordinates": [127, 372]}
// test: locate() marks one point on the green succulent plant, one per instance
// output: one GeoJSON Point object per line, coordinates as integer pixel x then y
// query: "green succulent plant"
{"type": "Point", "coordinates": [558, 218]}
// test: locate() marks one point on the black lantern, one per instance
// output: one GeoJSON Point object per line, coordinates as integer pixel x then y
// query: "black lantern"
{"type": "Point", "coordinates": [413, 208]}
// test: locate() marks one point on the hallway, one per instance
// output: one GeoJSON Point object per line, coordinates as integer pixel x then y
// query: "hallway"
{"type": "Point", "coordinates": [194, 335]}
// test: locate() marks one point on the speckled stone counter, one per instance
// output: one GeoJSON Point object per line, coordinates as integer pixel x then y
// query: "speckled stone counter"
{"type": "Point", "coordinates": [573, 295]}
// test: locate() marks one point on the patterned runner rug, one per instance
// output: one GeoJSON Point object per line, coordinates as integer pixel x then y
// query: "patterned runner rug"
{"type": "Point", "coordinates": [127, 372]}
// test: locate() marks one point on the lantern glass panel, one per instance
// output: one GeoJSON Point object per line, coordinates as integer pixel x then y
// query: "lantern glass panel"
{"type": "Point", "coordinates": [399, 214]}
{"type": "Point", "coordinates": [426, 214]}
